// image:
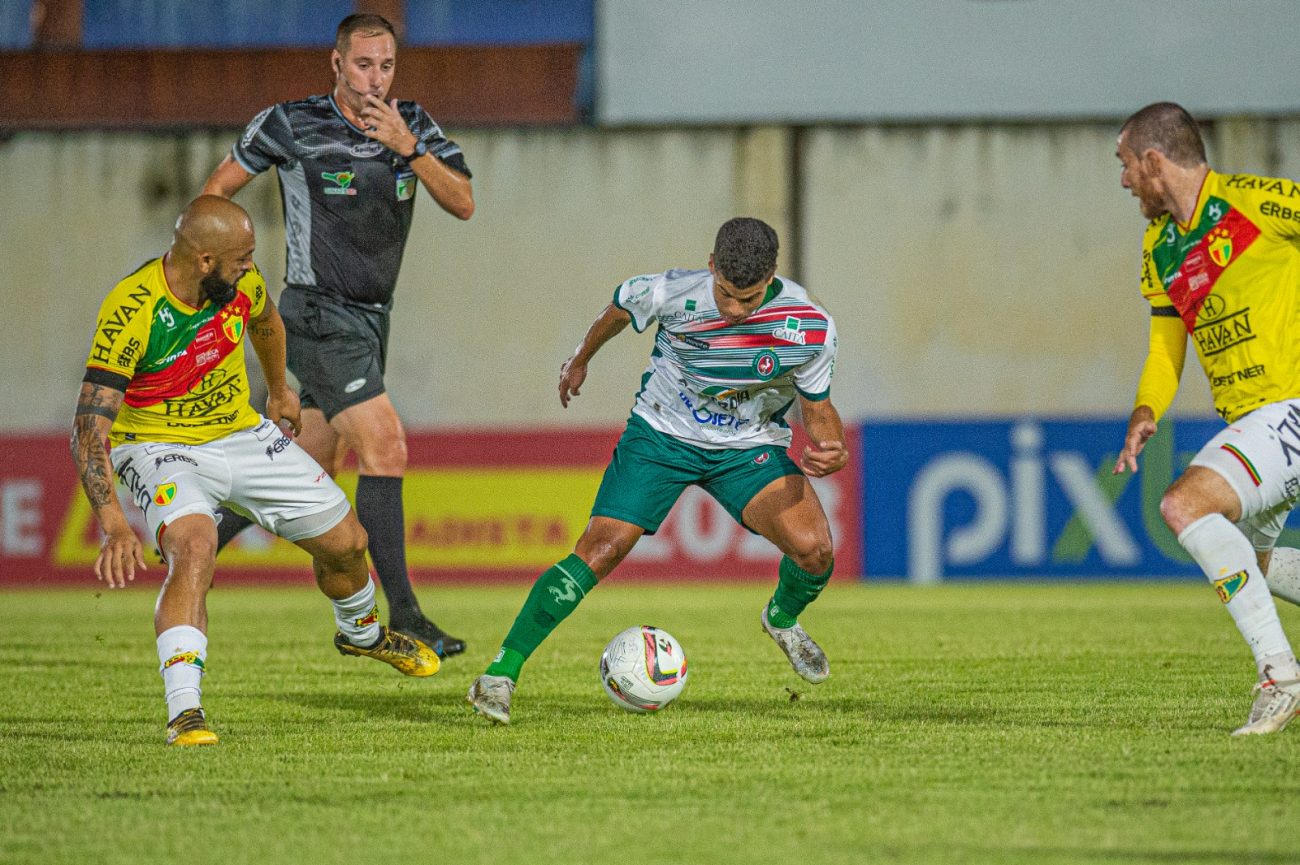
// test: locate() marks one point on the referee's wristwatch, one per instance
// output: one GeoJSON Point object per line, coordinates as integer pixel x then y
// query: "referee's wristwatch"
{"type": "Point", "coordinates": [421, 149]}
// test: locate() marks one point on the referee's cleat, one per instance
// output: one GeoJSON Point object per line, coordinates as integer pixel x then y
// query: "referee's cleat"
{"type": "Point", "coordinates": [805, 656]}
{"type": "Point", "coordinates": [443, 644]}
{"type": "Point", "coordinates": [1276, 703]}
{"type": "Point", "coordinates": [190, 728]}
{"type": "Point", "coordinates": [407, 654]}
{"type": "Point", "coordinates": [490, 697]}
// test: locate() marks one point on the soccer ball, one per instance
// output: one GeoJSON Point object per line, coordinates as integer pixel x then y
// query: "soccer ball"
{"type": "Point", "coordinates": [643, 669]}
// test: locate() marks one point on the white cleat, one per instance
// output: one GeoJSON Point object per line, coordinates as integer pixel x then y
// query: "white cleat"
{"type": "Point", "coordinates": [1276, 703]}
{"type": "Point", "coordinates": [490, 697]}
{"type": "Point", "coordinates": [807, 658]}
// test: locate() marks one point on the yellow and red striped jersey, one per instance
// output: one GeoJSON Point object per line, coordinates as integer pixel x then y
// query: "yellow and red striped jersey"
{"type": "Point", "coordinates": [182, 368]}
{"type": "Point", "coordinates": [1232, 274]}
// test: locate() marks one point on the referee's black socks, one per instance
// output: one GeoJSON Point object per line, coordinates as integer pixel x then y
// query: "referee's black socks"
{"type": "Point", "coordinates": [379, 508]}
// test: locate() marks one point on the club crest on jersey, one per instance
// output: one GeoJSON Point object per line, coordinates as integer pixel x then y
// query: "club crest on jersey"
{"type": "Point", "coordinates": [762, 458]}
{"type": "Point", "coordinates": [1220, 246]}
{"type": "Point", "coordinates": [164, 494]}
{"type": "Point", "coordinates": [342, 181]}
{"type": "Point", "coordinates": [790, 332]}
{"type": "Point", "coordinates": [233, 327]}
{"type": "Point", "coordinates": [766, 365]}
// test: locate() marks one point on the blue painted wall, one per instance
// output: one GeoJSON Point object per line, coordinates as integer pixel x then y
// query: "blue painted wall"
{"type": "Point", "coordinates": [251, 23]}
{"type": "Point", "coordinates": [15, 25]}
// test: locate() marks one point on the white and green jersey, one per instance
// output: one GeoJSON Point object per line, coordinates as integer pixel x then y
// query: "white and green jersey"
{"type": "Point", "coordinates": [720, 385]}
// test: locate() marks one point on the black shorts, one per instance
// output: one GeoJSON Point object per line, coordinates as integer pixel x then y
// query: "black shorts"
{"type": "Point", "coordinates": [336, 350]}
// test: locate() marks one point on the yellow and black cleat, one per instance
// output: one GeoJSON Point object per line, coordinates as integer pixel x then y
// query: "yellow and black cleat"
{"type": "Point", "coordinates": [407, 654]}
{"type": "Point", "coordinates": [190, 728]}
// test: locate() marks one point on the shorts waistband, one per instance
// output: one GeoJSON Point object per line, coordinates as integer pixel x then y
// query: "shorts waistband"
{"type": "Point", "coordinates": [328, 296]}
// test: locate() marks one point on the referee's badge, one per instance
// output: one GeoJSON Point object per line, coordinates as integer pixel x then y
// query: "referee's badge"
{"type": "Point", "coordinates": [405, 185]}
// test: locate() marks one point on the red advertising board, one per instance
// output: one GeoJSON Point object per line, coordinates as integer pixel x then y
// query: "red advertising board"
{"type": "Point", "coordinates": [480, 505]}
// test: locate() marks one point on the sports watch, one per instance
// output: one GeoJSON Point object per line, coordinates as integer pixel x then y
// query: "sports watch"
{"type": "Point", "coordinates": [420, 150]}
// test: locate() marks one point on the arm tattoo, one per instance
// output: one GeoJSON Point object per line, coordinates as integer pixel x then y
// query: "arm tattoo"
{"type": "Point", "coordinates": [92, 462]}
{"type": "Point", "coordinates": [97, 396]}
{"type": "Point", "coordinates": [88, 449]}
{"type": "Point", "coordinates": [261, 330]}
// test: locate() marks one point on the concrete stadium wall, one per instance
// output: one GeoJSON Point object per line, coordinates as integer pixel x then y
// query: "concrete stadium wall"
{"type": "Point", "coordinates": [772, 61]}
{"type": "Point", "coordinates": [973, 269]}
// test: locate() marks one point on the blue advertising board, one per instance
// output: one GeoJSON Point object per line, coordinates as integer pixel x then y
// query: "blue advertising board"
{"type": "Point", "coordinates": [1025, 497]}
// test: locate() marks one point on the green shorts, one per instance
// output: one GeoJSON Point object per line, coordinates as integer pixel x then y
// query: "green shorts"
{"type": "Point", "coordinates": [650, 469]}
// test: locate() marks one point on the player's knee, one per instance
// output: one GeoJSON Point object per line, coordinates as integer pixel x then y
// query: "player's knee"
{"type": "Point", "coordinates": [814, 554]}
{"type": "Point", "coordinates": [1177, 510]}
{"type": "Point", "coordinates": [190, 562]}
{"type": "Point", "coordinates": [602, 555]}
{"type": "Point", "coordinates": [352, 545]}
{"type": "Point", "coordinates": [387, 457]}
{"type": "Point", "coordinates": [343, 548]}
{"type": "Point", "coordinates": [194, 550]}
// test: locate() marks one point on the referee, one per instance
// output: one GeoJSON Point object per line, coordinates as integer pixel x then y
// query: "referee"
{"type": "Point", "coordinates": [348, 163]}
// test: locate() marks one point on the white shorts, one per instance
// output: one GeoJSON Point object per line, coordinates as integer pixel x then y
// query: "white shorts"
{"type": "Point", "coordinates": [257, 471]}
{"type": "Point", "coordinates": [1259, 456]}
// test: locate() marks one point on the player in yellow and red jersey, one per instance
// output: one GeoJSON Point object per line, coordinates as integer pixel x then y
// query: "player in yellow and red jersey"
{"type": "Point", "coordinates": [1221, 264]}
{"type": "Point", "coordinates": [165, 384]}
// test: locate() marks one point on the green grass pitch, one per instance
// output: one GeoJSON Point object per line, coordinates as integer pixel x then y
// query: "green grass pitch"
{"type": "Point", "coordinates": [961, 724]}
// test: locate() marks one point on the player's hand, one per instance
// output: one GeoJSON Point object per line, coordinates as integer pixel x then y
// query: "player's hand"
{"type": "Point", "coordinates": [572, 374]}
{"type": "Point", "coordinates": [1141, 427]}
{"type": "Point", "coordinates": [383, 122]}
{"type": "Point", "coordinates": [282, 406]}
{"type": "Point", "coordinates": [824, 459]}
{"type": "Point", "coordinates": [119, 555]}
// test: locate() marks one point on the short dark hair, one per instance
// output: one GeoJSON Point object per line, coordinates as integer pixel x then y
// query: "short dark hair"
{"type": "Point", "coordinates": [745, 251]}
{"type": "Point", "coordinates": [364, 23]}
{"type": "Point", "coordinates": [1168, 128]}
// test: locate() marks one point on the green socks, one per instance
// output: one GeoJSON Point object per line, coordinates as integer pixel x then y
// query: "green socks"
{"type": "Point", "coordinates": [795, 590]}
{"type": "Point", "coordinates": [557, 592]}
{"type": "Point", "coordinates": [560, 589]}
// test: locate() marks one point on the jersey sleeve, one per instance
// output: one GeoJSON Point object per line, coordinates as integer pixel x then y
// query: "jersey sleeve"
{"type": "Point", "coordinates": [1151, 285]}
{"type": "Point", "coordinates": [254, 286]}
{"type": "Point", "coordinates": [813, 379]}
{"type": "Point", "coordinates": [121, 335]}
{"type": "Point", "coordinates": [1274, 205]}
{"type": "Point", "coordinates": [423, 127]}
{"type": "Point", "coordinates": [641, 297]}
{"type": "Point", "coordinates": [1164, 364]}
{"type": "Point", "coordinates": [267, 141]}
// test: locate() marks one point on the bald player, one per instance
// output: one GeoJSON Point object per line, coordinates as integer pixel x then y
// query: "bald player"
{"type": "Point", "coordinates": [164, 406]}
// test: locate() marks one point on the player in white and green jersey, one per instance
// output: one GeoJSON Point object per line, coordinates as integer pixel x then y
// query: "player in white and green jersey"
{"type": "Point", "coordinates": [736, 348]}
{"type": "Point", "coordinates": [727, 384]}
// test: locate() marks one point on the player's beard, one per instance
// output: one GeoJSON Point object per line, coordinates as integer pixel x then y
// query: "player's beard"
{"type": "Point", "coordinates": [217, 290]}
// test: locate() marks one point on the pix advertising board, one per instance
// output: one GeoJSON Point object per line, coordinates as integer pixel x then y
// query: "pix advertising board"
{"type": "Point", "coordinates": [1023, 498]}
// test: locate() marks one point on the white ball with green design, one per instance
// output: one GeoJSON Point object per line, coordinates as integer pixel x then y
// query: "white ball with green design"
{"type": "Point", "coordinates": [643, 669]}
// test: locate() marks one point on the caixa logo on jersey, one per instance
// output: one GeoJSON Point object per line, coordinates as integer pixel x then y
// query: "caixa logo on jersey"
{"type": "Point", "coordinates": [1022, 498]}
